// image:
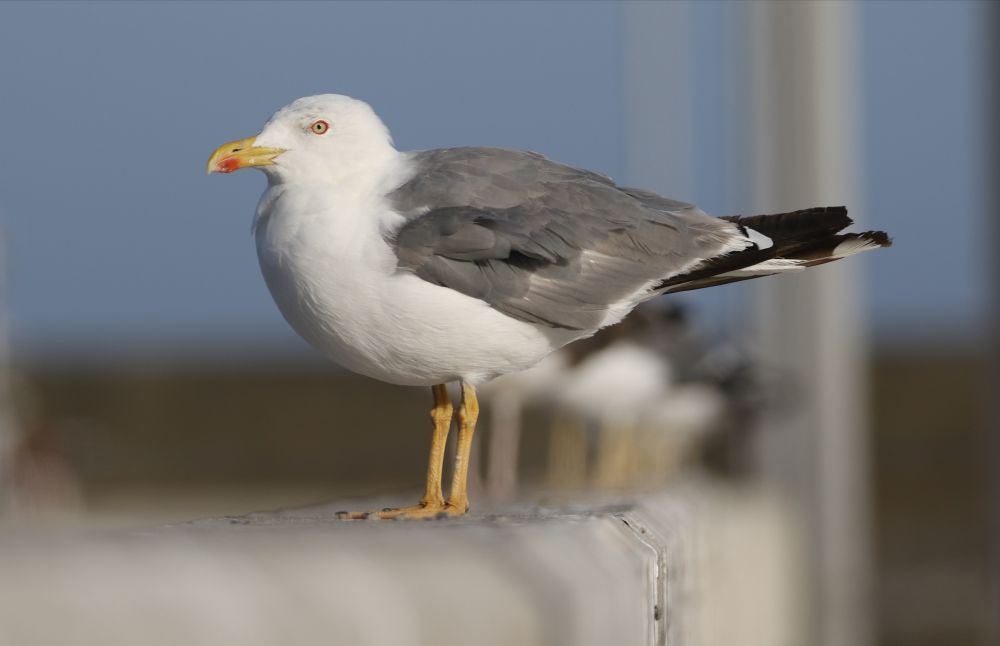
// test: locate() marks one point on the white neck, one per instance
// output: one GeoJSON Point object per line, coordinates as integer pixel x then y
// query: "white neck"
{"type": "Point", "coordinates": [372, 169]}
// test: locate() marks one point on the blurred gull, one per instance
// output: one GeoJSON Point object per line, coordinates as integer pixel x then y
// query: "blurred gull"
{"type": "Point", "coordinates": [641, 397]}
{"type": "Point", "coordinates": [610, 388]}
{"type": "Point", "coordinates": [610, 381]}
{"type": "Point", "coordinates": [463, 264]}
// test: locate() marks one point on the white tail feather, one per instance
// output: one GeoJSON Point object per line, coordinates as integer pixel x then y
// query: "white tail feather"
{"type": "Point", "coordinates": [855, 245]}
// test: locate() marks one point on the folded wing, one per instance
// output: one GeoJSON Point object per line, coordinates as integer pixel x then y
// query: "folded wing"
{"type": "Point", "coordinates": [544, 242]}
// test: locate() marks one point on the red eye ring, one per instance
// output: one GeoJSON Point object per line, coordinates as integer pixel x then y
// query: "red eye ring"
{"type": "Point", "coordinates": [319, 127]}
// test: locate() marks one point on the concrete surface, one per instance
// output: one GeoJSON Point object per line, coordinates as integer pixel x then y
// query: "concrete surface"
{"type": "Point", "coordinates": [617, 573]}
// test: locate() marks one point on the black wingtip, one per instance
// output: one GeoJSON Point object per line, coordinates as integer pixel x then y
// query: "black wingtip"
{"type": "Point", "coordinates": [797, 226]}
{"type": "Point", "coordinates": [881, 238]}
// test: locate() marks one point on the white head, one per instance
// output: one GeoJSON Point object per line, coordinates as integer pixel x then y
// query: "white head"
{"type": "Point", "coordinates": [328, 138]}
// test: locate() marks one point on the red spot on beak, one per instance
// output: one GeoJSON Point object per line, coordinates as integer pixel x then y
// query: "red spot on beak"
{"type": "Point", "coordinates": [228, 165]}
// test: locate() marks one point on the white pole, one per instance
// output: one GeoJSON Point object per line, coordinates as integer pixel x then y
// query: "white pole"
{"type": "Point", "coordinates": [805, 153]}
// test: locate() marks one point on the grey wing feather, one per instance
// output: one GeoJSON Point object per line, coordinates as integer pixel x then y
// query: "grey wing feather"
{"type": "Point", "coordinates": [541, 241]}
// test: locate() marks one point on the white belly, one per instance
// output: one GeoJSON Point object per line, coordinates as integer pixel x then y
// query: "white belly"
{"type": "Point", "coordinates": [334, 279]}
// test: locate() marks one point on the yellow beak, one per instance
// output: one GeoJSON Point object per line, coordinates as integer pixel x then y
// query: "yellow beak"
{"type": "Point", "coordinates": [241, 154]}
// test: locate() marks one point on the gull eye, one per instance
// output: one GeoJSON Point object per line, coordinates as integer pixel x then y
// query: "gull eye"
{"type": "Point", "coordinates": [319, 127]}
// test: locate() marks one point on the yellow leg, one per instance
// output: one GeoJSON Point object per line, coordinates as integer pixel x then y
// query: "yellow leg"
{"type": "Point", "coordinates": [432, 503]}
{"type": "Point", "coordinates": [468, 413]}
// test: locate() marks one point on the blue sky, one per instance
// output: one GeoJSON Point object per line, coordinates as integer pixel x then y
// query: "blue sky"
{"type": "Point", "coordinates": [115, 236]}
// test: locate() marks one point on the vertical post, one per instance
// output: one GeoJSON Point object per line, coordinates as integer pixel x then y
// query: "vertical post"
{"type": "Point", "coordinates": [804, 153]}
{"type": "Point", "coordinates": [506, 411]}
{"type": "Point", "coordinates": [7, 426]}
{"type": "Point", "coordinates": [991, 403]}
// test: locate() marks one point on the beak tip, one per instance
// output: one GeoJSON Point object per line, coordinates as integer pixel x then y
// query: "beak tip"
{"type": "Point", "coordinates": [235, 155]}
{"type": "Point", "coordinates": [226, 165]}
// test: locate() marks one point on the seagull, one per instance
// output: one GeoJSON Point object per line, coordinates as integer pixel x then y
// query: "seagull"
{"type": "Point", "coordinates": [462, 264]}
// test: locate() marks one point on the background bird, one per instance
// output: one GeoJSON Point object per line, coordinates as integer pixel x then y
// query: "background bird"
{"type": "Point", "coordinates": [462, 264]}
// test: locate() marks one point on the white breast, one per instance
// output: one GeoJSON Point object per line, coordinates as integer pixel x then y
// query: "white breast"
{"type": "Point", "coordinates": [334, 278]}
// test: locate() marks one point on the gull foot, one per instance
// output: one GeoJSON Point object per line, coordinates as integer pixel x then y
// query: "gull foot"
{"type": "Point", "coordinates": [421, 511]}
{"type": "Point", "coordinates": [415, 512]}
{"type": "Point", "coordinates": [457, 507]}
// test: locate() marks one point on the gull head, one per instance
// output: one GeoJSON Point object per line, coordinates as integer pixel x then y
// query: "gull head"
{"type": "Point", "coordinates": [324, 138]}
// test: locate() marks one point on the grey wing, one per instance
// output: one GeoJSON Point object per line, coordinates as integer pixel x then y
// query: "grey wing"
{"type": "Point", "coordinates": [544, 242]}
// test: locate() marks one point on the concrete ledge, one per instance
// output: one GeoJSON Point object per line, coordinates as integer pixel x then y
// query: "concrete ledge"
{"type": "Point", "coordinates": [616, 574]}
